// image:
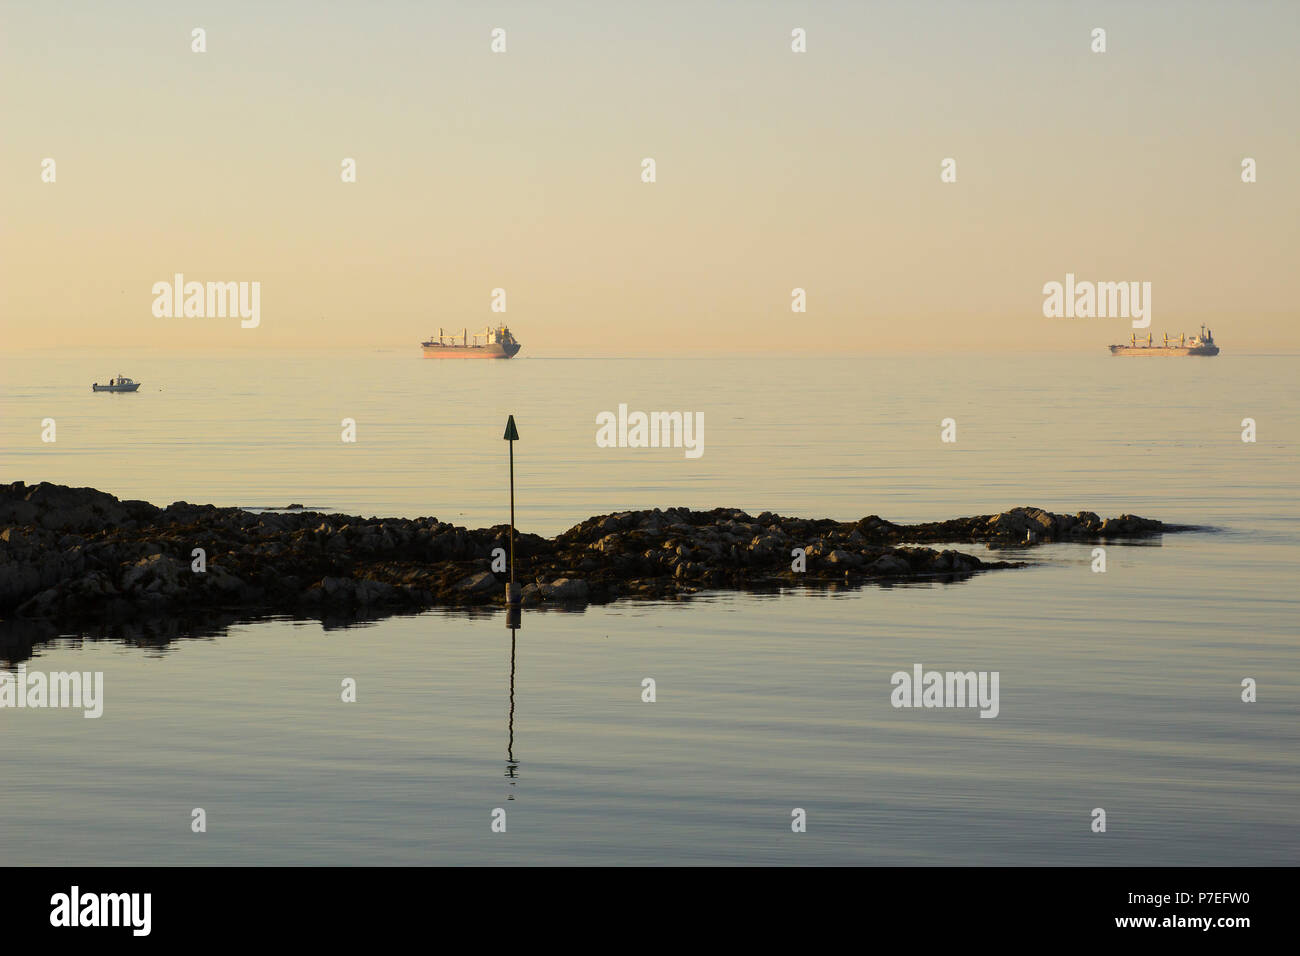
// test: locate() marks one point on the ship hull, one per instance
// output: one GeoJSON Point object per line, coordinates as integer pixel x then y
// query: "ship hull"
{"type": "Point", "coordinates": [496, 351]}
{"type": "Point", "coordinates": [1129, 351]}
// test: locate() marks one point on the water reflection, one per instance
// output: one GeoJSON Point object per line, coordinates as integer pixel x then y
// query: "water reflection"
{"type": "Point", "coordinates": [21, 637]}
{"type": "Point", "coordinates": [514, 617]}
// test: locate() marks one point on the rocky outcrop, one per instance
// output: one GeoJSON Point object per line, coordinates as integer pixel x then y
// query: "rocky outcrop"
{"type": "Point", "coordinates": [1018, 525]}
{"type": "Point", "coordinates": [75, 554]}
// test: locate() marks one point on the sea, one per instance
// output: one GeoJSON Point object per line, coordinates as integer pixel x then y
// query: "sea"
{"type": "Point", "coordinates": [727, 728]}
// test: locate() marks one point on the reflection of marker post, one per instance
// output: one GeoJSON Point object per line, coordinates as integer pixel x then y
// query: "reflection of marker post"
{"type": "Point", "coordinates": [512, 436]}
{"type": "Point", "coordinates": [512, 766]}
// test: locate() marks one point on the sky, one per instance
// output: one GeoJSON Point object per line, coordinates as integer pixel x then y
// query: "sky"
{"type": "Point", "coordinates": [522, 170]}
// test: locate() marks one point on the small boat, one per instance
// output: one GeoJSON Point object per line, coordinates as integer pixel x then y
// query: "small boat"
{"type": "Point", "coordinates": [119, 384]}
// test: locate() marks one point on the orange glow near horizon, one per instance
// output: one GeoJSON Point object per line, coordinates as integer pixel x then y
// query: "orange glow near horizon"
{"type": "Point", "coordinates": [775, 171]}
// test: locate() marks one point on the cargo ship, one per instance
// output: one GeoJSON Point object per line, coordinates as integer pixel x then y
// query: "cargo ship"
{"type": "Point", "coordinates": [497, 343]}
{"type": "Point", "coordinates": [1202, 344]}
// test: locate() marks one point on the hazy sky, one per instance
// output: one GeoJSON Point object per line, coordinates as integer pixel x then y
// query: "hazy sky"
{"type": "Point", "coordinates": [522, 170]}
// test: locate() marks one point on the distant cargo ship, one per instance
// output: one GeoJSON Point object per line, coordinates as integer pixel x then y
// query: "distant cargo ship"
{"type": "Point", "coordinates": [497, 343]}
{"type": "Point", "coordinates": [1202, 344]}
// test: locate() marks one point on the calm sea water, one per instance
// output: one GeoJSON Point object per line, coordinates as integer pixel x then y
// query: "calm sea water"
{"type": "Point", "coordinates": [1118, 690]}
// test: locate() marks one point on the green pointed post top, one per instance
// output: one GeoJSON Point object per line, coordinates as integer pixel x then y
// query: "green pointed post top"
{"type": "Point", "coordinates": [512, 433]}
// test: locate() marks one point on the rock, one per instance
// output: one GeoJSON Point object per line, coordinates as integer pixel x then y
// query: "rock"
{"type": "Point", "coordinates": [843, 557]}
{"type": "Point", "coordinates": [1011, 524]}
{"type": "Point", "coordinates": [92, 585]}
{"type": "Point", "coordinates": [158, 570]}
{"type": "Point", "coordinates": [610, 544]}
{"type": "Point", "coordinates": [337, 589]}
{"type": "Point", "coordinates": [475, 583]}
{"type": "Point", "coordinates": [889, 565]}
{"type": "Point", "coordinates": [565, 589]}
{"type": "Point", "coordinates": [875, 527]}
{"type": "Point", "coordinates": [40, 605]}
{"type": "Point", "coordinates": [17, 581]}
{"type": "Point", "coordinates": [373, 592]}
{"type": "Point", "coordinates": [218, 579]}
